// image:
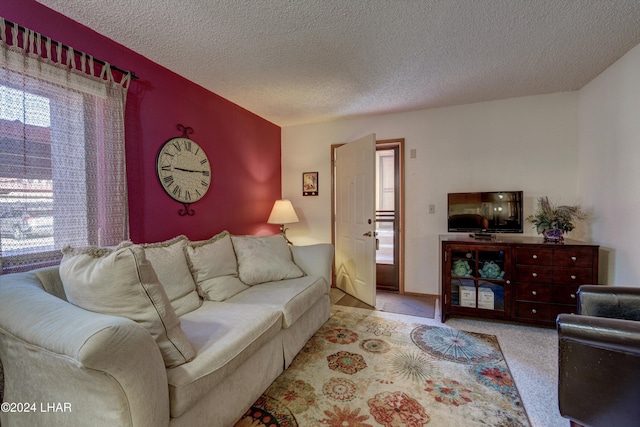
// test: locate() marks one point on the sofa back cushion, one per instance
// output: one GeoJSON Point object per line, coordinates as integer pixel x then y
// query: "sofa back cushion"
{"type": "Point", "coordinates": [169, 262]}
{"type": "Point", "coordinates": [264, 259]}
{"type": "Point", "coordinates": [121, 282]}
{"type": "Point", "coordinates": [214, 267]}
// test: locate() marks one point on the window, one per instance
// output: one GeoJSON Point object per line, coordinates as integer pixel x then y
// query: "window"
{"type": "Point", "coordinates": [26, 196]}
{"type": "Point", "coordinates": [62, 169]}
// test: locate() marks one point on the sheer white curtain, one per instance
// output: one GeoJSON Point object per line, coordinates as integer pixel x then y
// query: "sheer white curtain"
{"type": "Point", "coordinates": [62, 151]}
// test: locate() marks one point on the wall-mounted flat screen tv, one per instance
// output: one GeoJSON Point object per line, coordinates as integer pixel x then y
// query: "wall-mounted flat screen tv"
{"type": "Point", "coordinates": [485, 212]}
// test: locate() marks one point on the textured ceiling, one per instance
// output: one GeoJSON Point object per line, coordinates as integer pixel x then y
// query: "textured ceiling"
{"type": "Point", "coordinates": [296, 62]}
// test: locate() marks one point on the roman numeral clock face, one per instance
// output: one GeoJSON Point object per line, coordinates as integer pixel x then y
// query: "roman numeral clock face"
{"type": "Point", "coordinates": [183, 170]}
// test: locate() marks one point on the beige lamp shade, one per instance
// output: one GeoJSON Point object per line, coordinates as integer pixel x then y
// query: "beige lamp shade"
{"type": "Point", "coordinates": [282, 213]}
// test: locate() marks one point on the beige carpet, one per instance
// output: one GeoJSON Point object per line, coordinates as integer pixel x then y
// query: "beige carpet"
{"type": "Point", "coordinates": [406, 304]}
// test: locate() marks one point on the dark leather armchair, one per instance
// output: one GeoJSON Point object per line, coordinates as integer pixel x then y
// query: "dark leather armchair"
{"type": "Point", "coordinates": [599, 358]}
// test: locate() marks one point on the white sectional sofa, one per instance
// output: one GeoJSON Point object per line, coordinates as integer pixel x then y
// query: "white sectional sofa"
{"type": "Point", "coordinates": [178, 333]}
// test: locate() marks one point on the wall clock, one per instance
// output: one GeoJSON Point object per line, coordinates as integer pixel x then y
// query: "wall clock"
{"type": "Point", "coordinates": [184, 170]}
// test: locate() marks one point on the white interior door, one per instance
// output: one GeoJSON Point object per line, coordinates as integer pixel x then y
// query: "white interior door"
{"type": "Point", "coordinates": [355, 219]}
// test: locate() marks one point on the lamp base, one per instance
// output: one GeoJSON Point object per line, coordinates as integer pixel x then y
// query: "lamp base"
{"type": "Point", "coordinates": [283, 231]}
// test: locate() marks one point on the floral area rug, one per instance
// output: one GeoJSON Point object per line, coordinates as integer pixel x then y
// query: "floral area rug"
{"type": "Point", "coordinates": [364, 370]}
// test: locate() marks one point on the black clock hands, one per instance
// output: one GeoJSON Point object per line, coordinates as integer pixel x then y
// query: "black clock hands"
{"type": "Point", "coordinates": [190, 170]}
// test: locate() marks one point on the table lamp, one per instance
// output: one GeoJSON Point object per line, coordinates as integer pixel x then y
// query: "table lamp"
{"type": "Point", "coordinates": [283, 213]}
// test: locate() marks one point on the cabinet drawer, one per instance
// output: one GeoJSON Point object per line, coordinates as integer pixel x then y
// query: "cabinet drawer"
{"type": "Point", "coordinates": [533, 274]}
{"type": "Point", "coordinates": [573, 257]}
{"type": "Point", "coordinates": [534, 256]}
{"type": "Point", "coordinates": [532, 310]}
{"type": "Point", "coordinates": [534, 292]}
{"type": "Point", "coordinates": [572, 276]}
{"type": "Point", "coordinates": [565, 294]}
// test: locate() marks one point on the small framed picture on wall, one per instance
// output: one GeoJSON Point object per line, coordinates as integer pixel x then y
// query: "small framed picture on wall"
{"type": "Point", "coordinates": [310, 183]}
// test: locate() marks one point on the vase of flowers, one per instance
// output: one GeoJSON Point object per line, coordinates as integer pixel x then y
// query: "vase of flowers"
{"type": "Point", "coordinates": [552, 220]}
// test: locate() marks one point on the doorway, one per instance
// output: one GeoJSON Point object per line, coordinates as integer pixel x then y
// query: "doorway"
{"type": "Point", "coordinates": [388, 215]}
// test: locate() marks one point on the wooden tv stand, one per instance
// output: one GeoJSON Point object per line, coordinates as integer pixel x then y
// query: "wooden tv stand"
{"type": "Point", "coordinates": [514, 278]}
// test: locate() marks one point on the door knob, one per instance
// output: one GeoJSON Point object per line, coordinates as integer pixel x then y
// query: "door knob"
{"type": "Point", "coordinates": [368, 234]}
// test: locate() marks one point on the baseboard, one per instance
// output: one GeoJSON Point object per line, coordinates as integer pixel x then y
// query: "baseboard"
{"type": "Point", "coordinates": [411, 294]}
{"type": "Point", "coordinates": [416, 294]}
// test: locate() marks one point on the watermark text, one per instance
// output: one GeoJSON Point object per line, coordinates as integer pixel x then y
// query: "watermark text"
{"type": "Point", "coordinates": [23, 407]}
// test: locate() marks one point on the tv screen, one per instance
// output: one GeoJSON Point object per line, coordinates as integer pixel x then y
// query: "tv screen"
{"type": "Point", "coordinates": [485, 212]}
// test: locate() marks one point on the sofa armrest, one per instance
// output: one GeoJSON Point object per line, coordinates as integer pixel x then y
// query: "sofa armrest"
{"type": "Point", "coordinates": [314, 260]}
{"type": "Point", "coordinates": [102, 370]}
{"type": "Point", "coordinates": [609, 301]}
{"type": "Point", "coordinates": [610, 334]}
{"type": "Point", "coordinates": [598, 370]}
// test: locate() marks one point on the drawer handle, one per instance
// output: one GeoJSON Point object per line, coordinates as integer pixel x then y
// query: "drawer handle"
{"type": "Point", "coordinates": [534, 311]}
{"type": "Point", "coordinates": [508, 282]}
{"type": "Point", "coordinates": [535, 274]}
{"type": "Point", "coordinates": [534, 293]}
{"type": "Point", "coordinates": [573, 259]}
{"type": "Point", "coordinates": [534, 256]}
{"type": "Point", "coordinates": [573, 277]}
{"type": "Point", "coordinates": [573, 296]}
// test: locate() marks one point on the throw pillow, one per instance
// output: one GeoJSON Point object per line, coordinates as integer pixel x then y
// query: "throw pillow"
{"type": "Point", "coordinates": [121, 282]}
{"type": "Point", "coordinates": [170, 264]}
{"type": "Point", "coordinates": [264, 259]}
{"type": "Point", "coordinates": [214, 267]}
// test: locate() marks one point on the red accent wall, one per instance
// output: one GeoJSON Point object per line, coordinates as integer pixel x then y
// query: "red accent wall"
{"type": "Point", "coordinates": [244, 149]}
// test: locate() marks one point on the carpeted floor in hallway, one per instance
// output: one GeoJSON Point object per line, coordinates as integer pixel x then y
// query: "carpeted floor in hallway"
{"type": "Point", "coordinates": [412, 305]}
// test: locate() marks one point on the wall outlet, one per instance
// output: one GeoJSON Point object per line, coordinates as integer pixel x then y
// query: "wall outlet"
{"type": "Point", "coordinates": [432, 209]}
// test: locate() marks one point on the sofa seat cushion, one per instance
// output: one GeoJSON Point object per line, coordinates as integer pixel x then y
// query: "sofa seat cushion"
{"type": "Point", "coordinates": [292, 296]}
{"type": "Point", "coordinates": [224, 336]}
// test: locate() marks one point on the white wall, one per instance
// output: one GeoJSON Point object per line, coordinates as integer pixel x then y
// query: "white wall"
{"type": "Point", "coordinates": [609, 173]}
{"type": "Point", "coordinates": [527, 144]}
